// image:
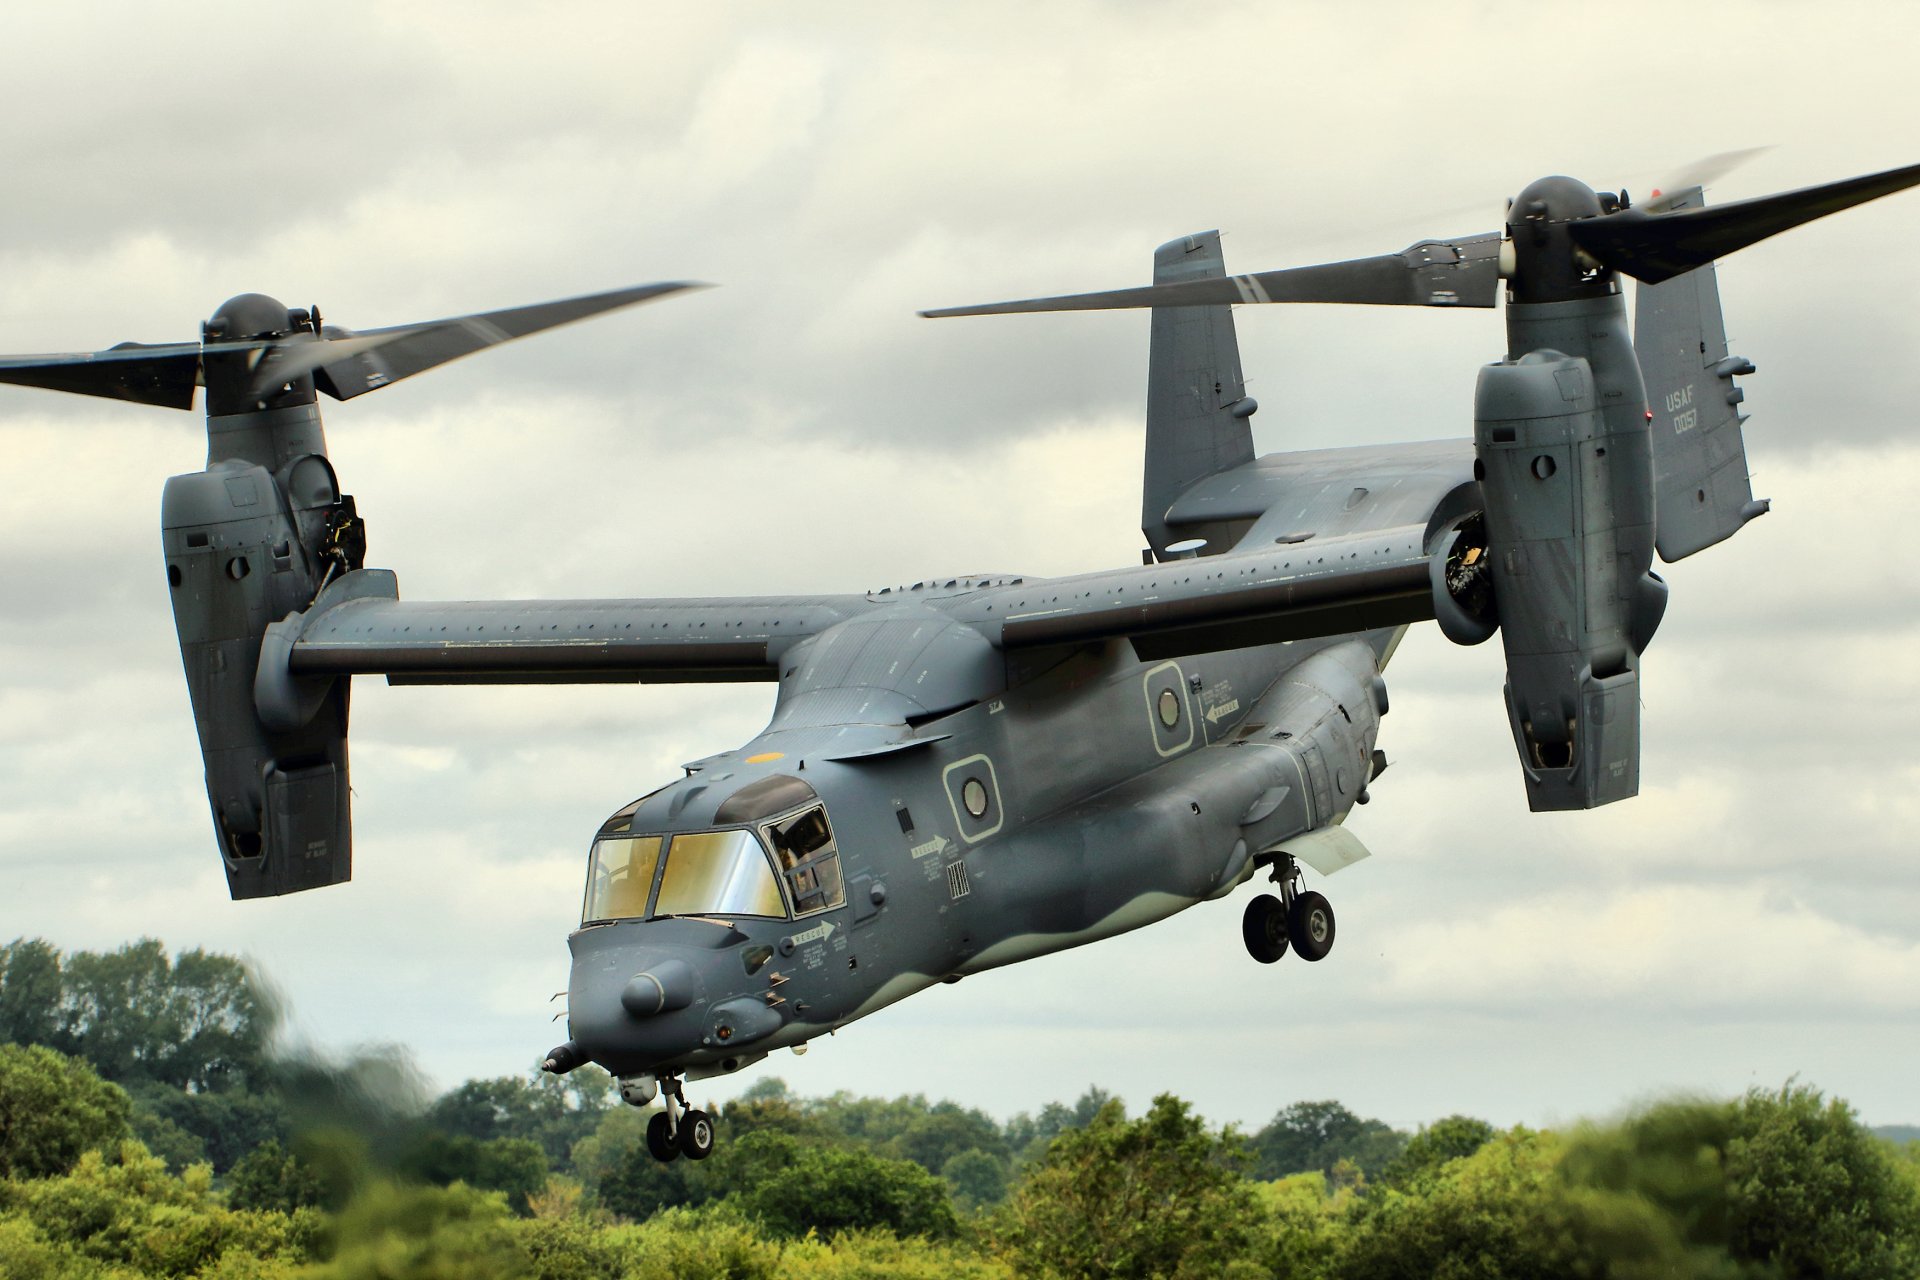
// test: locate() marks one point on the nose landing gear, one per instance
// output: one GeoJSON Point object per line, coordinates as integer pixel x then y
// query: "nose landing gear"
{"type": "Point", "coordinates": [677, 1129]}
{"type": "Point", "coordinates": [1298, 918]}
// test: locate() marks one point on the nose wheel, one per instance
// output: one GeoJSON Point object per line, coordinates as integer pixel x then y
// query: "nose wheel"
{"type": "Point", "coordinates": [1298, 919]}
{"type": "Point", "coordinates": [677, 1129]}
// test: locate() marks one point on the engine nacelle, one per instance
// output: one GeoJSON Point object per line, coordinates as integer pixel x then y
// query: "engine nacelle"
{"type": "Point", "coordinates": [246, 546]}
{"type": "Point", "coordinates": [1563, 558]}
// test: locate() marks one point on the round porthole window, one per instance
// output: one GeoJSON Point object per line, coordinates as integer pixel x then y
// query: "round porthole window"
{"type": "Point", "coordinates": [974, 795]}
{"type": "Point", "coordinates": [1169, 708]}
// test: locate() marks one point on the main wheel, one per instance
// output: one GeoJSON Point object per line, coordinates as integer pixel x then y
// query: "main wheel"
{"type": "Point", "coordinates": [696, 1135]}
{"type": "Point", "coordinates": [660, 1143]}
{"type": "Point", "coordinates": [1264, 928]}
{"type": "Point", "coordinates": [1311, 926]}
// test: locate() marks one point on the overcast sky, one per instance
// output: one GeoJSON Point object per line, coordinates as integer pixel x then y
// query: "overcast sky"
{"type": "Point", "coordinates": [1755, 913]}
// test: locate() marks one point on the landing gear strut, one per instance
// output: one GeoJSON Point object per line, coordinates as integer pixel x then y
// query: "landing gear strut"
{"type": "Point", "coordinates": [678, 1130]}
{"type": "Point", "coordinates": [1298, 918]}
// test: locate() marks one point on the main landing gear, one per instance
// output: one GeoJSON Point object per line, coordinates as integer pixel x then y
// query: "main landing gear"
{"type": "Point", "coordinates": [677, 1129]}
{"type": "Point", "coordinates": [1298, 918]}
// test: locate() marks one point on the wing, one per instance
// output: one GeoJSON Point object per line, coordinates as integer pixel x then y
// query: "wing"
{"type": "Point", "coordinates": [359, 626]}
{"type": "Point", "coordinates": [1324, 586]}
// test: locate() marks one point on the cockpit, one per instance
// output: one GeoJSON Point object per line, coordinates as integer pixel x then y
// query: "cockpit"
{"type": "Point", "coordinates": [770, 854]}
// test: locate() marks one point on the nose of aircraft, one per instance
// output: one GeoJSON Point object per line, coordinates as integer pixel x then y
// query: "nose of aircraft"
{"type": "Point", "coordinates": [634, 1005]}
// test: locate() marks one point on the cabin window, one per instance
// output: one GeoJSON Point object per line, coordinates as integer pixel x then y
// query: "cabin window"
{"type": "Point", "coordinates": [620, 876]}
{"type": "Point", "coordinates": [803, 846]}
{"type": "Point", "coordinates": [719, 873]}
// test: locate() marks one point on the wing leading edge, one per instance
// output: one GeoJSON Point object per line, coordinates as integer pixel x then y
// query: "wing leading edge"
{"type": "Point", "coordinates": [1324, 586]}
{"type": "Point", "coordinates": [367, 630]}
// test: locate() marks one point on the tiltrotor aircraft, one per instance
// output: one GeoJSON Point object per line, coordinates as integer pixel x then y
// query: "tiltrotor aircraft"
{"type": "Point", "coordinates": [971, 771]}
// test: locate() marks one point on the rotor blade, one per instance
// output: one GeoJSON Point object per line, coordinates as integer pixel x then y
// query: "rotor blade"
{"type": "Point", "coordinates": [162, 374]}
{"type": "Point", "coordinates": [1652, 247]}
{"type": "Point", "coordinates": [1702, 173]}
{"type": "Point", "coordinates": [1433, 273]}
{"type": "Point", "coordinates": [348, 366]}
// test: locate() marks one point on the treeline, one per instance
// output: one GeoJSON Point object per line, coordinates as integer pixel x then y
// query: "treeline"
{"type": "Point", "coordinates": [149, 1127]}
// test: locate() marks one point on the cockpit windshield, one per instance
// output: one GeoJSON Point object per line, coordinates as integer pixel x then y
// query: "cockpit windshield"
{"type": "Point", "coordinates": [723, 873]}
{"type": "Point", "coordinates": [726, 871]}
{"type": "Point", "coordinates": [620, 877]}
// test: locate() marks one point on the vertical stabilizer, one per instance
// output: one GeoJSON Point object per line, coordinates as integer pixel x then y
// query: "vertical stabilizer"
{"type": "Point", "coordinates": [1197, 406]}
{"type": "Point", "coordinates": [1702, 495]}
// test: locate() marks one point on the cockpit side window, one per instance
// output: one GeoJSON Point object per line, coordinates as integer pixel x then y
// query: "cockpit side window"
{"type": "Point", "coordinates": [803, 845]}
{"type": "Point", "coordinates": [721, 873]}
{"type": "Point", "coordinates": [620, 876]}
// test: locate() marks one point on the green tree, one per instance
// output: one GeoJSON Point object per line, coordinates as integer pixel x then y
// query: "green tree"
{"type": "Point", "coordinates": [1158, 1196]}
{"type": "Point", "coordinates": [125, 1213]}
{"type": "Point", "coordinates": [1029, 1135]}
{"type": "Point", "coordinates": [200, 1021]}
{"type": "Point", "coordinates": [273, 1178]}
{"type": "Point", "coordinates": [516, 1167]}
{"type": "Point", "coordinates": [978, 1178]}
{"type": "Point", "coordinates": [224, 1126]}
{"type": "Point", "coordinates": [943, 1132]}
{"type": "Point", "coordinates": [1452, 1138]}
{"type": "Point", "coordinates": [640, 1186]}
{"type": "Point", "coordinates": [1494, 1215]}
{"type": "Point", "coordinates": [794, 1187]}
{"type": "Point", "coordinates": [1814, 1193]}
{"type": "Point", "coordinates": [32, 995]}
{"type": "Point", "coordinates": [53, 1108]}
{"type": "Point", "coordinates": [553, 1111]}
{"type": "Point", "coordinates": [1319, 1135]}
{"type": "Point", "coordinates": [398, 1232]}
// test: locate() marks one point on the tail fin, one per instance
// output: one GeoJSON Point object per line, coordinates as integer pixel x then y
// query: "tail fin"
{"type": "Point", "coordinates": [1701, 492]}
{"type": "Point", "coordinates": [1197, 406]}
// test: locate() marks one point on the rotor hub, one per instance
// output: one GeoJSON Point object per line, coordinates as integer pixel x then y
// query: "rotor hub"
{"type": "Point", "coordinates": [249, 315]}
{"type": "Point", "coordinates": [1548, 266]}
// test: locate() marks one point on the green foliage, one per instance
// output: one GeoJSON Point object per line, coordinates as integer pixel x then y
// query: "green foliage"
{"type": "Point", "coordinates": [178, 1148]}
{"type": "Point", "coordinates": [1813, 1192]}
{"type": "Point", "coordinates": [632, 1183]}
{"type": "Point", "coordinates": [977, 1178]}
{"type": "Point", "coordinates": [572, 1248]}
{"type": "Point", "coordinates": [32, 993]}
{"type": "Point", "coordinates": [199, 1021]}
{"type": "Point", "coordinates": [1488, 1216]}
{"type": "Point", "coordinates": [128, 1212]}
{"type": "Point", "coordinates": [515, 1167]}
{"type": "Point", "coordinates": [1304, 1227]}
{"type": "Point", "coordinates": [874, 1255]}
{"type": "Point", "coordinates": [1159, 1196]}
{"type": "Point", "coordinates": [1028, 1136]}
{"type": "Point", "coordinates": [554, 1112]}
{"type": "Point", "coordinates": [222, 1127]}
{"type": "Point", "coordinates": [275, 1179]}
{"type": "Point", "coordinates": [27, 1254]}
{"type": "Point", "coordinates": [795, 1188]}
{"type": "Point", "coordinates": [397, 1232]}
{"type": "Point", "coordinates": [1454, 1138]}
{"type": "Point", "coordinates": [1319, 1135]}
{"type": "Point", "coordinates": [700, 1244]}
{"type": "Point", "coordinates": [942, 1132]}
{"type": "Point", "coordinates": [52, 1108]}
